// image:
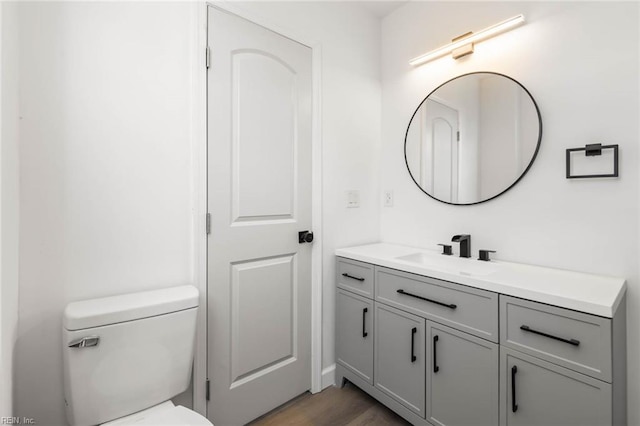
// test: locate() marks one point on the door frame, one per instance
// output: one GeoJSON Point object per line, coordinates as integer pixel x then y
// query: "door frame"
{"type": "Point", "coordinates": [199, 141]}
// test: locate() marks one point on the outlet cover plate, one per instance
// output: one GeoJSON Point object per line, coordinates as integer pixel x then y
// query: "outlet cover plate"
{"type": "Point", "coordinates": [388, 198]}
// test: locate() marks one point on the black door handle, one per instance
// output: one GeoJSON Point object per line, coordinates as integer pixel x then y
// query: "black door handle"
{"type": "Point", "coordinates": [305, 237]}
{"type": "Point", "coordinates": [514, 406]}
{"type": "Point", "coordinates": [413, 333]}
{"type": "Point", "coordinates": [435, 361]}
{"type": "Point", "coordinates": [448, 305]}
{"type": "Point", "coordinates": [364, 330]}
{"type": "Point", "coordinates": [352, 277]}
{"type": "Point", "coordinates": [573, 342]}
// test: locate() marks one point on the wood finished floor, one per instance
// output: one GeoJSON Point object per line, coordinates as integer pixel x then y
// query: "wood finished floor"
{"type": "Point", "coordinates": [331, 407]}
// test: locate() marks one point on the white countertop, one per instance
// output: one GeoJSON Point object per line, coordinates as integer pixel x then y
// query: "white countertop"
{"type": "Point", "coordinates": [593, 294]}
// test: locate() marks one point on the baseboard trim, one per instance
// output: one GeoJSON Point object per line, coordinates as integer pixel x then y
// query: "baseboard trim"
{"type": "Point", "coordinates": [329, 376]}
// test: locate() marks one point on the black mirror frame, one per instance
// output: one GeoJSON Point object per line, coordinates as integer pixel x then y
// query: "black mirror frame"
{"type": "Point", "coordinates": [533, 157]}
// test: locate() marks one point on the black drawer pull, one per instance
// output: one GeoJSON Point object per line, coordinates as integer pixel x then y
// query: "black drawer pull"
{"type": "Point", "coordinates": [573, 342]}
{"type": "Point", "coordinates": [448, 305]}
{"type": "Point", "coordinates": [364, 330]}
{"type": "Point", "coordinates": [413, 333]}
{"type": "Point", "coordinates": [435, 362]}
{"type": "Point", "coordinates": [514, 406]}
{"type": "Point", "coordinates": [352, 277]}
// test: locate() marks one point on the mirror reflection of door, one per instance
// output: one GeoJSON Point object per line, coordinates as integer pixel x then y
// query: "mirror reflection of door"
{"type": "Point", "coordinates": [472, 138]}
{"type": "Point", "coordinates": [440, 156]}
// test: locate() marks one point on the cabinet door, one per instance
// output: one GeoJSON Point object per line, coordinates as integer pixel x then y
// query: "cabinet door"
{"type": "Point", "coordinates": [462, 378]}
{"type": "Point", "coordinates": [536, 392]}
{"type": "Point", "coordinates": [400, 356]}
{"type": "Point", "coordinates": [354, 334]}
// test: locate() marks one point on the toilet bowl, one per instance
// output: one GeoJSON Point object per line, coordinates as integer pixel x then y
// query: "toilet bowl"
{"type": "Point", "coordinates": [160, 415]}
{"type": "Point", "coordinates": [126, 356]}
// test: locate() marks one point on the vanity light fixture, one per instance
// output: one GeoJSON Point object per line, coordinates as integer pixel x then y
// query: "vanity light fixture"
{"type": "Point", "coordinates": [463, 45]}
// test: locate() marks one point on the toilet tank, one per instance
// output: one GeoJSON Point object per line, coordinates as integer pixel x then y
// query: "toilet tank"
{"type": "Point", "coordinates": [125, 353]}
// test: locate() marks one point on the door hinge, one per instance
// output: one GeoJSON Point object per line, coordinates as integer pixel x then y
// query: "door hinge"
{"type": "Point", "coordinates": [208, 57]}
{"type": "Point", "coordinates": [208, 223]}
{"type": "Point", "coordinates": [208, 390]}
{"type": "Point", "coordinates": [458, 136]}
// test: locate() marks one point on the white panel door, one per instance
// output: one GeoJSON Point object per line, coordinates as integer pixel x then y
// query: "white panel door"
{"type": "Point", "coordinates": [259, 197]}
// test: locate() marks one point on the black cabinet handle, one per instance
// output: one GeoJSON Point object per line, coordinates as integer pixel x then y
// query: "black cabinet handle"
{"type": "Point", "coordinates": [573, 342]}
{"type": "Point", "coordinates": [352, 277]}
{"type": "Point", "coordinates": [413, 333]}
{"type": "Point", "coordinates": [514, 406]}
{"type": "Point", "coordinates": [364, 330]}
{"type": "Point", "coordinates": [435, 362]}
{"type": "Point", "coordinates": [448, 305]}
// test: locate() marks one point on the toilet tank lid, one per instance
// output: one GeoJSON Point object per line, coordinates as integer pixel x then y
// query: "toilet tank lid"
{"type": "Point", "coordinates": [128, 307]}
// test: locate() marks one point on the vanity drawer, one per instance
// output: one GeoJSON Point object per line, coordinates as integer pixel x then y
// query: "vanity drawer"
{"type": "Point", "coordinates": [355, 276]}
{"type": "Point", "coordinates": [465, 308]}
{"type": "Point", "coordinates": [574, 340]}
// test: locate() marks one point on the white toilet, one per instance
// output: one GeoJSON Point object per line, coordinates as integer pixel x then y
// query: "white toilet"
{"type": "Point", "coordinates": [126, 356]}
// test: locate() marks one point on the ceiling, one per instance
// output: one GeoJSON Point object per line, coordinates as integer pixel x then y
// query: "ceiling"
{"type": "Point", "coordinates": [380, 8]}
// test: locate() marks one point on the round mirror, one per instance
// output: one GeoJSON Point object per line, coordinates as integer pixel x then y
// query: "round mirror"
{"type": "Point", "coordinates": [473, 138]}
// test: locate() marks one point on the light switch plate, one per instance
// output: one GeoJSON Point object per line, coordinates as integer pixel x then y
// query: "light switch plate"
{"type": "Point", "coordinates": [353, 199]}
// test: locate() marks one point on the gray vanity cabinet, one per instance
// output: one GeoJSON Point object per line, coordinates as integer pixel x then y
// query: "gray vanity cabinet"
{"type": "Point", "coordinates": [462, 378]}
{"type": "Point", "coordinates": [400, 356]}
{"type": "Point", "coordinates": [538, 392]}
{"type": "Point", "coordinates": [440, 353]}
{"type": "Point", "coordinates": [354, 334]}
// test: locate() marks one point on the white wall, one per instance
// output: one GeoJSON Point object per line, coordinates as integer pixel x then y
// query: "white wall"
{"type": "Point", "coordinates": [349, 41]}
{"type": "Point", "coordinates": [579, 60]}
{"type": "Point", "coordinates": [9, 202]}
{"type": "Point", "coordinates": [105, 167]}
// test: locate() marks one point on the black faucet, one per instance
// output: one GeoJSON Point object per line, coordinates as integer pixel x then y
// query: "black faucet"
{"type": "Point", "coordinates": [465, 244]}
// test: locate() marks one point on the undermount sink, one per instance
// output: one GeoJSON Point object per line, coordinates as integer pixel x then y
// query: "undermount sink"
{"type": "Point", "coordinates": [450, 264]}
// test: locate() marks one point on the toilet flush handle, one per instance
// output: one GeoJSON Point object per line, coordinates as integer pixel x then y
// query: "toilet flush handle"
{"type": "Point", "coordinates": [85, 342]}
